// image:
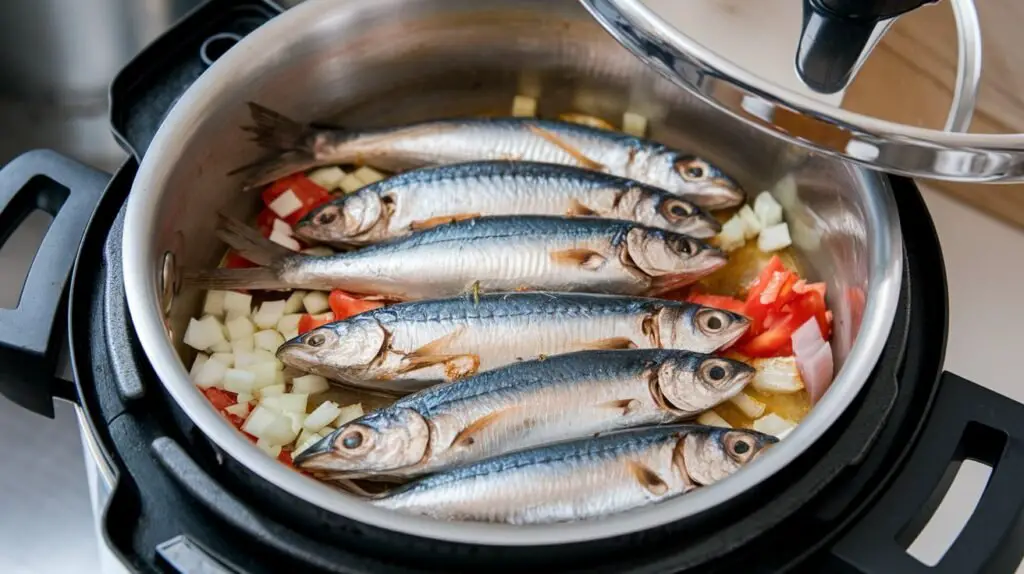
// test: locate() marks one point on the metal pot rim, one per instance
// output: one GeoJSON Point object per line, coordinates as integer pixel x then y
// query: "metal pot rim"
{"type": "Point", "coordinates": [141, 264]}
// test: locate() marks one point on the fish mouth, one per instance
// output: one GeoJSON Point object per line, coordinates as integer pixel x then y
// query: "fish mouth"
{"type": "Point", "coordinates": [320, 448]}
{"type": "Point", "coordinates": [721, 193]}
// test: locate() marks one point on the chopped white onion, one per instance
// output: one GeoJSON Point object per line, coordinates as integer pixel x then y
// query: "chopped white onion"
{"type": "Point", "coordinates": [281, 431]}
{"type": "Point", "coordinates": [305, 441]}
{"type": "Point", "coordinates": [807, 338]}
{"type": "Point", "coordinates": [268, 340]}
{"type": "Point", "coordinates": [813, 358]}
{"type": "Point", "coordinates": [712, 419]}
{"type": "Point", "coordinates": [733, 235]}
{"type": "Point", "coordinates": [241, 409]}
{"type": "Point", "coordinates": [197, 364]}
{"type": "Point", "coordinates": [285, 240]}
{"type": "Point", "coordinates": [280, 226]}
{"type": "Point", "coordinates": [211, 374]}
{"type": "Point", "coordinates": [239, 381]}
{"type": "Point", "coordinates": [348, 413]}
{"type": "Point", "coordinates": [774, 238]}
{"type": "Point", "coordinates": [774, 425]}
{"type": "Point", "coordinates": [285, 204]}
{"type": "Point", "coordinates": [316, 302]}
{"type": "Point", "coordinates": [751, 224]}
{"type": "Point", "coordinates": [258, 421]}
{"type": "Point", "coordinates": [237, 304]}
{"type": "Point", "coordinates": [297, 420]}
{"type": "Point", "coordinates": [269, 314]}
{"type": "Point", "coordinates": [327, 177]}
{"type": "Point", "coordinates": [310, 384]}
{"type": "Point", "coordinates": [239, 328]}
{"type": "Point", "coordinates": [275, 390]}
{"type": "Point", "coordinates": [768, 211]}
{"type": "Point", "coordinates": [271, 449]}
{"type": "Point", "coordinates": [634, 124]}
{"type": "Point", "coordinates": [222, 347]}
{"type": "Point", "coordinates": [244, 397]}
{"type": "Point", "coordinates": [368, 175]}
{"type": "Point", "coordinates": [289, 323]}
{"type": "Point", "coordinates": [750, 406]}
{"type": "Point", "coordinates": [227, 358]}
{"type": "Point", "coordinates": [776, 375]}
{"type": "Point", "coordinates": [204, 333]}
{"type": "Point", "coordinates": [214, 303]}
{"type": "Point", "coordinates": [293, 402]}
{"type": "Point", "coordinates": [245, 345]}
{"type": "Point", "coordinates": [350, 183]}
{"type": "Point", "coordinates": [294, 302]}
{"type": "Point", "coordinates": [322, 416]}
{"type": "Point", "coordinates": [290, 335]}
{"type": "Point", "coordinates": [265, 373]}
{"type": "Point", "coordinates": [524, 106]}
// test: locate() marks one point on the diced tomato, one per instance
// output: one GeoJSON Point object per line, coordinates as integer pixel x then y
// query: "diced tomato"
{"type": "Point", "coordinates": [265, 222]}
{"type": "Point", "coordinates": [285, 457]}
{"type": "Point", "coordinates": [345, 305]}
{"type": "Point", "coordinates": [764, 278]}
{"type": "Point", "coordinates": [773, 342]}
{"type": "Point", "coordinates": [309, 194]}
{"type": "Point", "coordinates": [812, 304]}
{"type": "Point", "coordinates": [220, 398]}
{"type": "Point", "coordinates": [309, 322]}
{"type": "Point", "coordinates": [717, 301]}
{"type": "Point", "coordinates": [234, 260]}
{"type": "Point", "coordinates": [235, 420]}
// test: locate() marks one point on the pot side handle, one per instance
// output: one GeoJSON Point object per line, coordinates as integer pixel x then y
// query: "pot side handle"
{"type": "Point", "coordinates": [150, 84]}
{"type": "Point", "coordinates": [967, 421]}
{"type": "Point", "coordinates": [69, 191]}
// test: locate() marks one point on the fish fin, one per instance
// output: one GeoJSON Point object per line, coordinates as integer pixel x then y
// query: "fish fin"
{"type": "Point", "coordinates": [568, 148]}
{"type": "Point", "coordinates": [648, 478]}
{"type": "Point", "coordinates": [289, 142]}
{"type": "Point", "coordinates": [466, 436]}
{"type": "Point", "coordinates": [577, 209]}
{"type": "Point", "coordinates": [627, 405]}
{"type": "Point", "coordinates": [584, 258]}
{"type": "Point", "coordinates": [249, 243]}
{"type": "Point", "coordinates": [441, 220]}
{"type": "Point", "coordinates": [610, 344]}
{"type": "Point", "coordinates": [227, 279]}
{"type": "Point", "coordinates": [436, 347]}
{"type": "Point", "coordinates": [455, 366]}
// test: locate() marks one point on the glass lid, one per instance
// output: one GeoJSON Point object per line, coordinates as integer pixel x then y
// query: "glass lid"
{"type": "Point", "coordinates": [889, 84]}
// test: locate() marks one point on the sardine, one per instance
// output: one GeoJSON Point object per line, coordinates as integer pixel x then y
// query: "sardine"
{"type": "Point", "coordinates": [582, 479]}
{"type": "Point", "coordinates": [295, 147]}
{"type": "Point", "coordinates": [507, 253]}
{"type": "Point", "coordinates": [410, 346]}
{"type": "Point", "coordinates": [424, 198]}
{"type": "Point", "coordinates": [524, 405]}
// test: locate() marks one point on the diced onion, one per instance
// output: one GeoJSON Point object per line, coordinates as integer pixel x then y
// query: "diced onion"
{"type": "Point", "coordinates": [776, 375]}
{"type": "Point", "coordinates": [265, 373]}
{"type": "Point", "coordinates": [204, 333]}
{"type": "Point", "coordinates": [245, 345]}
{"type": "Point", "coordinates": [310, 384]}
{"type": "Point", "coordinates": [239, 381]}
{"type": "Point", "coordinates": [294, 302]}
{"type": "Point", "coordinates": [281, 431]}
{"type": "Point", "coordinates": [274, 450]}
{"type": "Point", "coordinates": [244, 397]}
{"type": "Point", "coordinates": [211, 374]}
{"type": "Point", "coordinates": [327, 177]}
{"type": "Point", "coordinates": [774, 425]}
{"type": "Point", "coordinates": [286, 403]}
{"type": "Point", "coordinates": [524, 107]}
{"type": "Point", "coordinates": [268, 340]}
{"type": "Point", "coordinates": [239, 328]}
{"type": "Point", "coordinates": [712, 419]}
{"type": "Point", "coordinates": [733, 235]}
{"type": "Point", "coordinates": [258, 420]}
{"type": "Point", "coordinates": [241, 409]}
{"type": "Point", "coordinates": [318, 251]}
{"type": "Point", "coordinates": [290, 335]}
{"type": "Point", "coordinates": [275, 390]}
{"type": "Point", "coordinates": [305, 441]}
{"type": "Point", "coordinates": [269, 314]}
{"type": "Point", "coordinates": [285, 240]}
{"type": "Point", "coordinates": [774, 238]}
{"type": "Point", "coordinates": [634, 124]}
{"type": "Point", "coordinates": [227, 358]}
{"type": "Point", "coordinates": [282, 227]}
{"type": "Point", "coordinates": [222, 347]}
{"type": "Point", "coordinates": [316, 302]}
{"type": "Point", "coordinates": [322, 416]}
{"type": "Point", "coordinates": [285, 204]}
{"type": "Point", "coordinates": [237, 304]}
{"type": "Point", "coordinates": [348, 413]}
{"type": "Point", "coordinates": [243, 360]}
{"type": "Point", "coordinates": [214, 303]}
{"type": "Point", "coordinates": [750, 406]}
{"type": "Point", "coordinates": [368, 175]}
{"type": "Point", "coordinates": [289, 323]}
{"type": "Point", "coordinates": [807, 338]}
{"type": "Point", "coordinates": [768, 211]}
{"type": "Point", "coordinates": [751, 224]}
{"type": "Point", "coordinates": [297, 419]}
{"type": "Point", "coordinates": [350, 183]}
{"type": "Point", "coordinates": [813, 358]}
{"type": "Point", "coordinates": [197, 365]}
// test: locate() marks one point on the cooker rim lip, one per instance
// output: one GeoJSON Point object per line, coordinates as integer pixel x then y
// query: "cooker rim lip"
{"type": "Point", "coordinates": [141, 289]}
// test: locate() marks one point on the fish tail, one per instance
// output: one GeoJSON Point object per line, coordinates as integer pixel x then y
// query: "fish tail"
{"type": "Point", "coordinates": [291, 147]}
{"type": "Point", "coordinates": [249, 243]}
{"type": "Point", "coordinates": [227, 279]}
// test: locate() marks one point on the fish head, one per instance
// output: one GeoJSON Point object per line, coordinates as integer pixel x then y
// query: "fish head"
{"type": "Point", "coordinates": [671, 260]}
{"type": "Point", "coordinates": [666, 211]}
{"type": "Point", "coordinates": [711, 453]}
{"type": "Point", "coordinates": [382, 441]}
{"type": "Point", "coordinates": [335, 347]}
{"type": "Point", "coordinates": [695, 178]}
{"type": "Point", "coordinates": [697, 382]}
{"type": "Point", "coordinates": [699, 328]}
{"type": "Point", "coordinates": [352, 216]}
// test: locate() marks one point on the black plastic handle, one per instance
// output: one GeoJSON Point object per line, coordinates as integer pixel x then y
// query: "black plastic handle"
{"type": "Point", "coordinates": [68, 191]}
{"type": "Point", "coordinates": [967, 422]}
{"type": "Point", "coordinates": [148, 86]}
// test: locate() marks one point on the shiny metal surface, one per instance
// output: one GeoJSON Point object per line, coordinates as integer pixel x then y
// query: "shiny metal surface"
{"type": "Point", "coordinates": [865, 140]}
{"type": "Point", "coordinates": [382, 62]}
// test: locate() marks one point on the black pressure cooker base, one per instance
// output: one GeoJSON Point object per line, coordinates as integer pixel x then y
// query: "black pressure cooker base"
{"type": "Point", "coordinates": [178, 499]}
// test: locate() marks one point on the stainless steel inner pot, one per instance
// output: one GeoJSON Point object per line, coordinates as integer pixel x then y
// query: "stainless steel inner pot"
{"type": "Point", "coordinates": [379, 62]}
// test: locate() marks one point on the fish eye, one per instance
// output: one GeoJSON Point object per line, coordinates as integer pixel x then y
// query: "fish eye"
{"type": "Point", "coordinates": [678, 209]}
{"type": "Point", "coordinates": [685, 247]}
{"type": "Point", "coordinates": [316, 339]}
{"type": "Point", "coordinates": [712, 320]}
{"type": "Point", "coordinates": [715, 371]}
{"type": "Point", "coordinates": [352, 440]}
{"type": "Point", "coordinates": [693, 169]}
{"type": "Point", "coordinates": [739, 447]}
{"type": "Point", "coordinates": [327, 217]}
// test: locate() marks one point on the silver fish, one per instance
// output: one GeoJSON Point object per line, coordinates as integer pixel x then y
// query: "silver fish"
{"type": "Point", "coordinates": [524, 405]}
{"type": "Point", "coordinates": [410, 346]}
{"type": "Point", "coordinates": [295, 147]}
{"type": "Point", "coordinates": [582, 479]}
{"type": "Point", "coordinates": [424, 198]}
{"type": "Point", "coordinates": [490, 253]}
